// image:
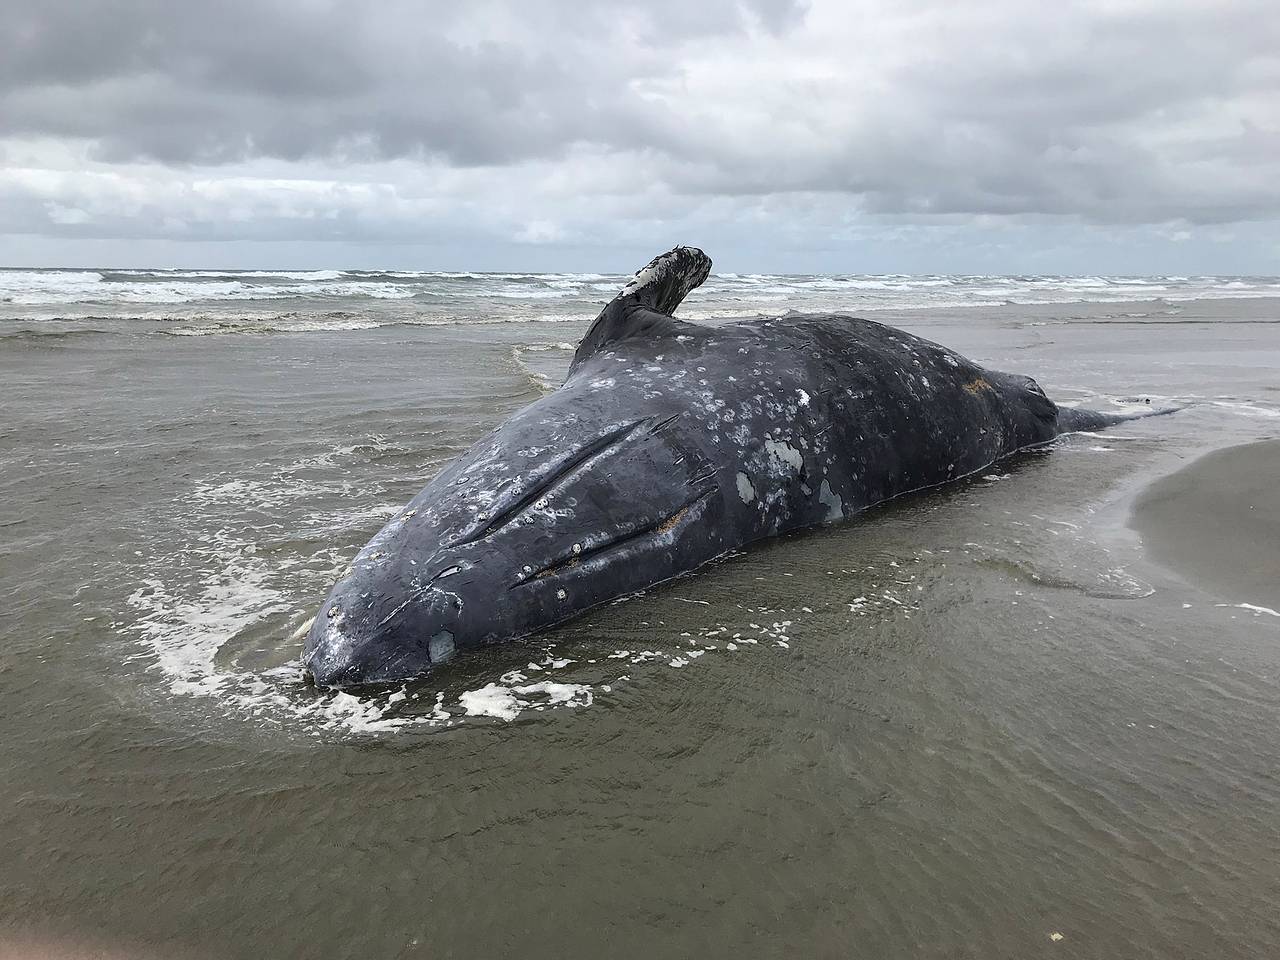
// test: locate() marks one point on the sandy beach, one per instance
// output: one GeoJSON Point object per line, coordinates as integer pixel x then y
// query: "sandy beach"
{"type": "Point", "coordinates": [1217, 523]}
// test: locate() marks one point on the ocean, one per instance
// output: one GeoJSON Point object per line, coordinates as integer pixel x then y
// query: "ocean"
{"type": "Point", "coordinates": [198, 302]}
{"type": "Point", "coordinates": [956, 726]}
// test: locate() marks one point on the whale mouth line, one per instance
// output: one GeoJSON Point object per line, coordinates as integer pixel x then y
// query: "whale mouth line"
{"type": "Point", "coordinates": [655, 530]}
{"type": "Point", "coordinates": [575, 462]}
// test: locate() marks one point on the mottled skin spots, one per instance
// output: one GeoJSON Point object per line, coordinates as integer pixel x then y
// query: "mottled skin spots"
{"type": "Point", "coordinates": [668, 445]}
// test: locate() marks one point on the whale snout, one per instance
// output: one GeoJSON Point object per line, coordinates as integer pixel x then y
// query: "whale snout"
{"type": "Point", "coordinates": [335, 654]}
{"type": "Point", "coordinates": [352, 644]}
{"type": "Point", "coordinates": [328, 672]}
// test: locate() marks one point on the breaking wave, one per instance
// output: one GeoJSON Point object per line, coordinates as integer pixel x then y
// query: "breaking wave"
{"type": "Point", "coordinates": [473, 297]}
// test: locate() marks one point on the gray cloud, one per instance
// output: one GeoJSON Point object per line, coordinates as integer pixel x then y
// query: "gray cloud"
{"type": "Point", "coordinates": [555, 121]}
{"type": "Point", "coordinates": [469, 83]}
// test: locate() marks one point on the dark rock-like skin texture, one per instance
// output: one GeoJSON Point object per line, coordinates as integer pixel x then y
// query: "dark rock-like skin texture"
{"type": "Point", "coordinates": [668, 445]}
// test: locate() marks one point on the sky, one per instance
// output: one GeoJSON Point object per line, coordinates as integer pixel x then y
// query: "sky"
{"type": "Point", "coordinates": [842, 136]}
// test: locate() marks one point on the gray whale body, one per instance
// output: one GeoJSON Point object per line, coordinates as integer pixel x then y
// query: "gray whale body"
{"type": "Point", "coordinates": [668, 445]}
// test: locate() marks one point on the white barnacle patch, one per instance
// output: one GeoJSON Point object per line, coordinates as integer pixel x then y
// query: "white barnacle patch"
{"type": "Point", "coordinates": [804, 398]}
{"type": "Point", "coordinates": [604, 383]}
{"type": "Point", "coordinates": [784, 453]}
{"type": "Point", "coordinates": [642, 278]}
{"type": "Point", "coordinates": [831, 500]}
{"type": "Point", "coordinates": [560, 594]}
{"type": "Point", "coordinates": [745, 490]}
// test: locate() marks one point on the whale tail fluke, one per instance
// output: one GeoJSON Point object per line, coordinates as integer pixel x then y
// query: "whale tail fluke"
{"type": "Point", "coordinates": [1075, 419]}
{"type": "Point", "coordinates": [648, 300]}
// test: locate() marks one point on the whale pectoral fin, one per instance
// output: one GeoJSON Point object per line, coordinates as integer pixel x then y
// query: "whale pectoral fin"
{"type": "Point", "coordinates": [667, 279]}
{"type": "Point", "coordinates": [645, 304]}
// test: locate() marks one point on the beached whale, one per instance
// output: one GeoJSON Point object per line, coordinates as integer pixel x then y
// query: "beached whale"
{"type": "Point", "coordinates": [668, 445]}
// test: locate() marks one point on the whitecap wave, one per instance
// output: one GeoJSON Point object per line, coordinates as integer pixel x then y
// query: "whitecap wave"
{"type": "Point", "coordinates": [744, 293]}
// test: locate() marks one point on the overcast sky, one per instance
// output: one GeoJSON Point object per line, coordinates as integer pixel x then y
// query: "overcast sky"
{"type": "Point", "coordinates": [989, 136]}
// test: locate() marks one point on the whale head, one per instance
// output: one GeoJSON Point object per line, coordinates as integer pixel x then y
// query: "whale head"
{"type": "Point", "coordinates": [381, 624]}
{"type": "Point", "coordinates": [413, 596]}
{"type": "Point", "coordinates": [547, 519]}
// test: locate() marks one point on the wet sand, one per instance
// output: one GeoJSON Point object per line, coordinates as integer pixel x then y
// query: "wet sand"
{"type": "Point", "coordinates": [1217, 523]}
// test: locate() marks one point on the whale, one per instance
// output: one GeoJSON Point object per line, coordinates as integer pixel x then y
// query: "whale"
{"type": "Point", "coordinates": [669, 445]}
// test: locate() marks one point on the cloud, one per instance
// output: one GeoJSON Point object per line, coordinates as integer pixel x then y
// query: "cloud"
{"type": "Point", "coordinates": [552, 122]}
{"type": "Point", "coordinates": [467, 83]}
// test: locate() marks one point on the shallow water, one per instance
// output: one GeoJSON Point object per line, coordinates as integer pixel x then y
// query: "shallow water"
{"type": "Point", "coordinates": [955, 727]}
